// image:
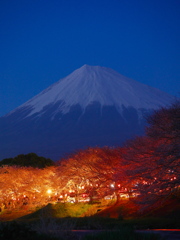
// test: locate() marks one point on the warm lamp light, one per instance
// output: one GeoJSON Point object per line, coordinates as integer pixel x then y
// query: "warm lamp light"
{"type": "Point", "coordinates": [49, 191]}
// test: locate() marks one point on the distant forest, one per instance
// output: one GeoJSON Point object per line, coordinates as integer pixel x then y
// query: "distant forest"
{"type": "Point", "coordinates": [28, 160]}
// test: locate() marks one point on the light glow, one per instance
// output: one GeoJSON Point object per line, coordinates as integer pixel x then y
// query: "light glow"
{"type": "Point", "coordinates": [49, 191]}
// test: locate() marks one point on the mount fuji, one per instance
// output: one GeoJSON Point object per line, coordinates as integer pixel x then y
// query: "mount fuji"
{"type": "Point", "coordinates": [93, 106]}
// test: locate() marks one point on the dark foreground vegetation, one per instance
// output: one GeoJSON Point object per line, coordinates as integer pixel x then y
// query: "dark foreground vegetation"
{"type": "Point", "coordinates": [69, 221]}
{"type": "Point", "coordinates": [21, 231]}
{"type": "Point", "coordinates": [42, 225]}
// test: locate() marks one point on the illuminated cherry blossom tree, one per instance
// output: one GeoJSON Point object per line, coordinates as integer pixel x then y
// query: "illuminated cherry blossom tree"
{"type": "Point", "coordinates": [154, 160]}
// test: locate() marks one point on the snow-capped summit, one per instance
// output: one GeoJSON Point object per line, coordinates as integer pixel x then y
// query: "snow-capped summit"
{"type": "Point", "coordinates": [93, 106]}
{"type": "Point", "coordinates": [90, 84]}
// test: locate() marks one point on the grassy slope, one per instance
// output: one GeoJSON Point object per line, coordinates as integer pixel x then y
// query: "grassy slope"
{"type": "Point", "coordinates": [167, 208]}
{"type": "Point", "coordinates": [164, 215]}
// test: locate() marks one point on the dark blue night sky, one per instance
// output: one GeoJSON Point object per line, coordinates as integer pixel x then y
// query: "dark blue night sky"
{"type": "Point", "coordinates": [42, 41]}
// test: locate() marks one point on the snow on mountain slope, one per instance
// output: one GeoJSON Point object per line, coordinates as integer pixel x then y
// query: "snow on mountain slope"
{"type": "Point", "coordinates": [90, 84]}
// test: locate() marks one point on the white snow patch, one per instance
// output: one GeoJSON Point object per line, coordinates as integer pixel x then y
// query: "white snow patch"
{"type": "Point", "coordinates": [90, 84]}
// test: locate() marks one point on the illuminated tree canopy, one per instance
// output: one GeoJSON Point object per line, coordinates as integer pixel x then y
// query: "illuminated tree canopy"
{"type": "Point", "coordinates": [154, 160]}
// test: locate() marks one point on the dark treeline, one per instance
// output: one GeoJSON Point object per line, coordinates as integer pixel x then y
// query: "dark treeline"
{"type": "Point", "coordinates": [28, 160]}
